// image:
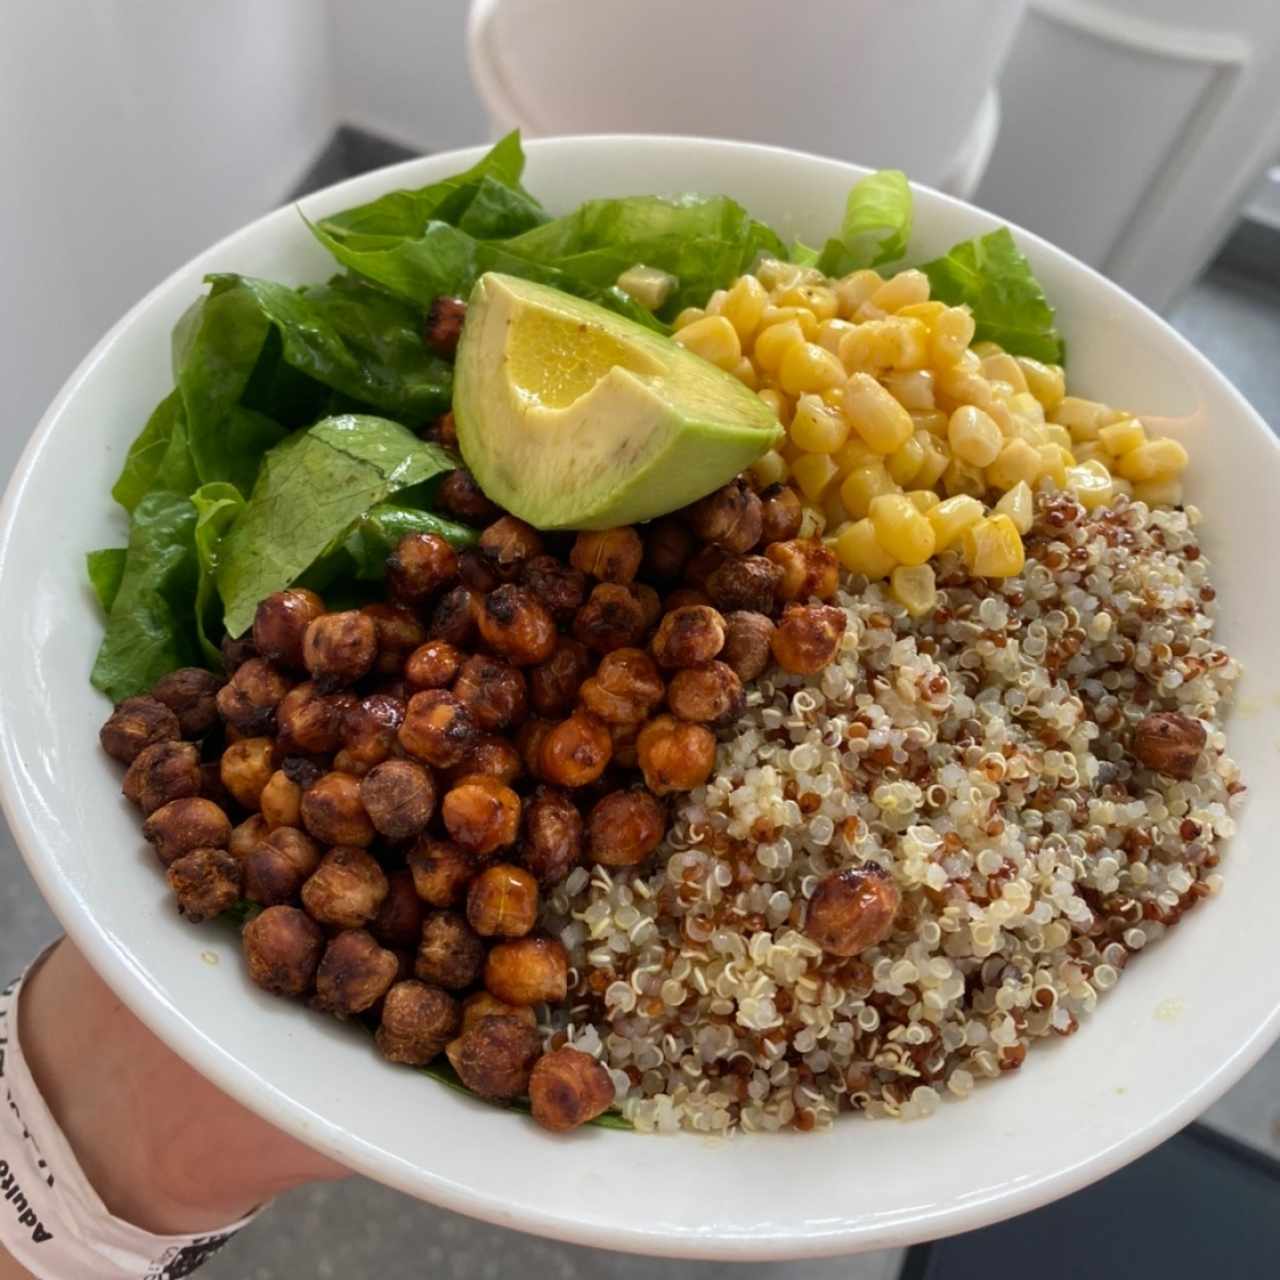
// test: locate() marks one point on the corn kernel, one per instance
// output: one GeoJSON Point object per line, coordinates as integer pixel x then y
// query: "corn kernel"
{"type": "Point", "coordinates": [913, 390]}
{"type": "Point", "coordinates": [831, 333]}
{"type": "Point", "coordinates": [951, 517]}
{"type": "Point", "coordinates": [770, 468]}
{"type": "Point", "coordinates": [1159, 493]}
{"type": "Point", "coordinates": [934, 421]}
{"type": "Point", "coordinates": [1019, 505]}
{"type": "Point", "coordinates": [773, 273]}
{"type": "Point", "coordinates": [862, 485]}
{"type": "Point", "coordinates": [924, 499]}
{"type": "Point", "coordinates": [1120, 437]}
{"type": "Point", "coordinates": [915, 588]}
{"type": "Point", "coordinates": [715, 303]}
{"type": "Point", "coordinates": [1091, 484]}
{"type": "Point", "coordinates": [875, 415]}
{"type": "Point", "coordinates": [993, 548]}
{"type": "Point", "coordinates": [744, 305]}
{"type": "Point", "coordinates": [928, 312]}
{"type": "Point", "coordinates": [745, 372]}
{"type": "Point", "coordinates": [833, 509]}
{"type": "Point", "coordinates": [648, 286]}
{"type": "Point", "coordinates": [1056, 460]}
{"type": "Point", "coordinates": [973, 436]}
{"type": "Point", "coordinates": [1002, 367]}
{"type": "Point", "coordinates": [807, 367]}
{"type": "Point", "coordinates": [773, 343]}
{"type": "Point", "coordinates": [805, 318]}
{"type": "Point", "coordinates": [854, 453]}
{"type": "Point", "coordinates": [816, 428]}
{"type": "Point", "coordinates": [960, 386]}
{"type": "Point", "coordinates": [1018, 462]}
{"type": "Point", "coordinates": [907, 288]}
{"type": "Point", "coordinates": [952, 333]}
{"type": "Point", "coordinates": [779, 403]}
{"type": "Point", "coordinates": [713, 338]}
{"type": "Point", "coordinates": [855, 289]}
{"type": "Point", "coordinates": [986, 348]}
{"type": "Point", "coordinates": [1022, 404]}
{"type": "Point", "coordinates": [817, 298]}
{"type": "Point", "coordinates": [1056, 434]}
{"type": "Point", "coordinates": [904, 462]}
{"type": "Point", "coordinates": [1092, 451]}
{"type": "Point", "coordinates": [859, 550]}
{"type": "Point", "coordinates": [690, 315]}
{"type": "Point", "coordinates": [1080, 417]}
{"type": "Point", "coordinates": [812, 472]}
{"type": "Point", "coordinates": [1160, 459]}
{"type": "Point", "coordinates": [1045, 381]}
{"type": "Point", "coordinates": [963, 477]}
{"type": "Point", "coordinates": [901, 530]}
{"type": "Point", "coordinates": [935, 461]}
{"type": "Point", "coordinates": [1124, 488]}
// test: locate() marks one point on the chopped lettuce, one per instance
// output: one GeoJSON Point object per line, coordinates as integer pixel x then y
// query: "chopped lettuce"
{"type": "Point", "coordinates": [217, 507]}
{"type": "Point", "coordinates": [876, 226]}
{"type": "Point", "coordinates": [106, 571]}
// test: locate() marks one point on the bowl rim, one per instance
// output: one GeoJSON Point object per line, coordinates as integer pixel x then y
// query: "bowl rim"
{"type": "Point", "coordinates": [132, 984]}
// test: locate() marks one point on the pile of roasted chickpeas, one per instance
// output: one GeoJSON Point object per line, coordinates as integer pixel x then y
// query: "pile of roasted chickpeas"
{"type": "Point", "coordinates": [396, 786]}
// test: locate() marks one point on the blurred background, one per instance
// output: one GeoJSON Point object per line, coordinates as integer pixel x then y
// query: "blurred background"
{"type": "Point", "coordinates": [1141, 135]}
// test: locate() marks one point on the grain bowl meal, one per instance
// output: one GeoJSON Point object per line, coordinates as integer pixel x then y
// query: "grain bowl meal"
{"type": "Point", "coordinates": [653, 675]}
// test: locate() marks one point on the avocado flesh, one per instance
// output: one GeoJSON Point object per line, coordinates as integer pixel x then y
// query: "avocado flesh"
{"type": "Point", "coordinates": [572, 417]}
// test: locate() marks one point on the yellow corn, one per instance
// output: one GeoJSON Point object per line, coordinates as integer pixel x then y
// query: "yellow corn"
{"type": "Point", "coordinates": [862, 485]}
{"type": "Point", "coordinates": [858, 550]}
{"type": "Point", "coordinates": [779, 403]}
{"type": "Point", "coordinates": [986, 348]}
{"type": "Point", "coordinates": [934, 421]}
{"type": "Point", "coordinates": [773, 273]}
{"type": "Point", "coordinates": [1160, 459]}
{"type": "Point", "coordinates": [1056, 460]}
{"type": "Point", "coordinates": [805, 318]}
{"type": "Point", "coordinates": [1120, 437]}
{"type": "Point", "coordinates": [993, 548]}
{"type": "Point", "coordinates": [854, 454]}
{"type": "Point", "coordinates": [906, 289]}
{"type": "Point", "coordinates": [959, 385]}
{"type": "Point", "coordinates": [1056, 434]}
{"type": "Point", "coordinates": [713, 338]}
{"type": "Point", "coordinates": [905, 462]}
{"type": "Point", "coordinates": [744, 304]}
{"type": "Point", "coordinates": [875, 415]}
{"type": "Point", "coordinates": [831, 333]}
{"type": "Point", "coordinates": [912, 390]}
{"type": "Point", "coordinates": [1002, 367]}
{"type": "Point", "coordinates": [1091, 484]}
{"type": "Point", "coordinates": [1022, 404]}
{"type": "Point", "coordinates": [915, 588]}
{"type": "Point", "coordinates": [745, 372]}
{"type": "Point", "coordinates": [911, 338]}
{"type": "Point", "coordinates": [649, 286]}
{"type": "Point", "coordinates": [773, 343]}
{"type": "Point", "coordinates": [935, 461]}
{"type": "Point", "coordinates": [1044, 381]}
{"type": "Point", "coordinates": [952, 333]}
{"type": "Point", "coordinates": [770, 468]}
{"type": "Point", "coordinates": [963, 477]}
{"type": "Point", "coordinates": [1124, 487]}
{"type": "Point", "coordinates": [974, 436]}
{"type": "Point", "coordinates": [901, 530]}
{"type": "Point", "coordinates": [855, 289]}
{"type": "Point", "coordinates": [1017, 462]}
{"type": "Point", "coordinates": [928, 312]}
{"type": "Point", "coordinates": [812, 473]}
{"type": "Point", "coordinates": [1159, 493]}
{"type": "Point", "coordinates": [820, 299]}
{"type": "Point", "coordinates": [1092, 451]}
{"type": "Point", "coordinates": [951, 517]}
{"type": "Point", "coordinates": [808, 367]}
{"type": "Point", "coordinates": [715, 303]}
{"type": "Point", "coordinates": [1080, 417]}
{"type": "Point", "coordinates": [875, 346]}
{"type": "Point", "coordinates": [1019, 505]}
{"type": "Point", "coordinates": [925, 499]}
{"type": "Point", "coordinates": [689, 316]}
{"type": "Point", "coordinates": [817, 428]}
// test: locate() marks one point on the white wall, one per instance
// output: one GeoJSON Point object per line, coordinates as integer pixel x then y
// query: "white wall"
{"type": "Point", "coordinates": [132, 134]}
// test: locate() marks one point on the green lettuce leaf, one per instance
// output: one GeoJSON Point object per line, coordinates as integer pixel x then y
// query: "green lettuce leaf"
{"type": "Point", "coordinates": [217, 506]}
{"type": "Point", "coordinates": [876, 226]}
{"type": "Point", "coordinates": [106, 571]}
{"type": "Point", "coordinates": [311, 488]}
{"type": "Point", "coordinates": [990, 275]}
{"type": "Point", "coordinates": [159, 458]}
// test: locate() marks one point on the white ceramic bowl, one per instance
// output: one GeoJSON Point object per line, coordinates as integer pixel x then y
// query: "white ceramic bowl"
{"type": "Point", "coordinates": [1188, 1019]}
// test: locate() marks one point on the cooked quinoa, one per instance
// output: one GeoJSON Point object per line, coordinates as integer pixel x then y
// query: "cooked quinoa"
{"type": "Point", "coordinates": [980, 755]}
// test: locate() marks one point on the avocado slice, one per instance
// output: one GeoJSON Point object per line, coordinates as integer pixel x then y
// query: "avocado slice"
{"type": "Point", "coordinates": [572, 417]}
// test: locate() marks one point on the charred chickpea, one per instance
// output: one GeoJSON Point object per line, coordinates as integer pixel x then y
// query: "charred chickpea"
{"type": "Point", "coordinates": [650, 603]}
{"type": "Point", "coordinates": [668, 544]}
{"type": "Point", "coordinates": [686, 598]}
{"type": "Point", "coordinates": [808, 569]}
{"type": "Point", "coordinates": [494, 693]}
{"type": "Point", "coordinates": [417, 1022]}
{"type": "Point", "coordinates": [205, 882]}
{"type": "Point", "coordinates": [527, 971]}
{"type": "Point", "coordinates": [688, 637]}
{"type": "Point", "coordinates": [529, 739]}
{"type": "Point", "coordinates": [675, 755]}
{"type": "Point", "coordinates": [247, 836]}
{"type": "Point", "coordinates": [480, 1004]}
{"type": "Point", "coordinates": [625, 828]}
{"type": "Point", "coordinates": [399, 796]}
{"type": "Point", "coordinates": [515, 626]}
{"type": "Point", "coordinates": [453, 618]}
{"type": "Point", "coordinates": [481, 814]}
{"type": "Point", "coordinates": [710, 694]}
{"type": "Point", "coordinates": [302, 770]}
{"type": "Point", "coordinates": [441, 871]}
{"type": "Point", "coordinates": [476, 571]}
{"type": "Point", "coordinates": [444, 430]}
{"type": "Point", "coordinates": [162, 772]}
{"type": "Point", "coordinates": [398, 923]}
{"type": "Point", "coordinates": [747, 638]}
{"type": "Point", "coordinates": [333, 813]}
{"type": "Point", "coordinates": [745, 582]}
{"type": "Point", "coordinates": [443, 326]}
{"type": "Point", "coordinates": [781, 514]}
{"type": "Point", "coordinates": [508, 544]}
{"type": "Point", "coordinates": [551, 840]}
{"type": "Point", "coordinates": [492, 756]}
{"type": "Point", "coordinates": [554, 684]}
{"type": "Point", "coordinates": [611, 555]}
{"type": "Point", "coordinates": [346, 889]}
{"type": "Point", "coordinates": [495, 1057]}
{"type": "Point", "coordinates": [575, 752]}
{"type": "Point", "coordinates": [237, 650]}
{"type": "Point", "coordinates": [278, 865]}
{"type": "Point", "coordinates": [807, 637]}
{"type": "Point", "coordinates": [248, 701]}
{"type": "Point", "coordinates": [420, 565]}
{"type": "Point", "coordinates": [281, 801]}
{"type": "Point", "coordinates": [463, 499]}
{"type": "Point", "coordinates": [625, 737]}
{"type": "Point", "coordinates": [135, 724]}
{"type": "Point", "coordinates": [281, 621]}
{"type": "Point", "coordinates": [625, 688]}
{"type": "Point", "coordinates": [340, 648]}
{"type": "Point", "coordinates": [368, 730]}
{"type": "Point", "coordinates": [434, 665]}
{"type": "Point", "coordinates": [398, 633]}
{"type": "Point", "coordinates": [502, 902]}
{"type": "Point", "coordinates": [438, 729]}
{"type": "Point", "coordinates": [354, 973]}
{"type": "Point", "coordinates": [612, 618]}
{"type": "Point", "coordinates": [450, 954]}
{"type": "Point", "coordinates": [245, 769]}
{"type": "Point", "coordinates": [211, 784]}
{"type": "Point", "coordinates": [191, 693]}
{"type": "Point", "coordinates": [283, 947]}
{"type": "Point", "coordinates": [852, 910]}
{"type": "Point", "coordinates": [567, 1088]}
{"type": "Point", "coordinates": [559, 588]}
{"type": "Point", "coordinates": [309, 722]}
{"type": "Point", "coordinates": [1170, 743]}
{"type": "Point", "coordinates": [732, 517]}
{"type": "Point", "coordinates": [697, 573]}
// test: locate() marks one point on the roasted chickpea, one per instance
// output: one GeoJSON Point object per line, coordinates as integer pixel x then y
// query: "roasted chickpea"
{"type": "Point", "coordinates": [480, 1004]}
{"type": "Point", "coordinates": [281, 621]}
{"type": "Point", "coordinates": [438, 728]}
{"type": "Point", "coordinates": [211, 784]}
{"type": "Point", "coordinates": [398, 632]}
{"type": "Point", "coordinates": [281, 801]}
{"type": "Point", "coordinates": [444, 430]}
{"type": "Point", "coordinates": [685, 598]}
{"type": "Point", "coordinates": [333, 813]}
{"type": "Point", "coordinates": [554, 684]}
{"type": "Point", "coordinates": [625, 827]}
{"type": "Point", "coordinates": [434, 665]}
{"type": "Point", "coordinates": [575, 752]}
{"type": "Point", "coordinates": [731, 517]}
{"type": "Point", "coordinates": [612, 555]}
{"type": "Point", "coordinates": [477, 572]}
{"type": "Point", "coordinates": [450, 954]}
{"type": "Point", "coordinates": [624, 738]}
{"type": "Point", "coordinates": [529, 739]}
{"type": "Point", "coordinates": [1169, 742]}
{"type": "Point", "coordinates": [508, 544]}
{"type": "Point", "coordinates": [688, 637]}
{"type": "Point", "coordinates": [354, 973]}
{"type": "Point", "coordinates": [417, 1022]}
{"type": "Point", "coordinates": [346, 889]}
{"type": "Point", "coordinates": [463, 499]}
{"type": "Point", "coordinates": [453, 618]}
{"type": "Point", "coordinates": [625, 688]}
{"type": "Point", "coordinates": [283, 947]}
{"type": "Point", "coordinates": [301, 770]}
{"type": "Point", "coordinates": [515, 626]}
{"type": "Point", "coordinates": [248, 701]}
{"type": "Point", "coordinates": [398, 923]}
{"type": "Point", "coordinates": [492, 756]}
{"type": "Point", "coordinates": [697, 573]}
{"type": "Point", "coordinates": [206, 882]}
{"type": "Point", "coordinates": [567, 1088]}
{"type": "Point", "coordinates": [399, 796]}
{"type": "Point", "coordinates": [554, 585]}
{"type": "Point", "coordinates": [746, 649]}
{"type": "Point", "coordinates": [808, 569]}
{"type": "Point", "coordinates": [711, 694]}
{"type": "Point", "coordinates": [340, 648]}
{"type": "Point", "coordinates": [310, 722]}
{"type": "Point", "coordinates": [495, 1057]}
{"type": "Point", "coordinates": [551, 842]}
{"type": "Point", "coordinates": [421, 565]}
{"type": "Point", "coordinates": [162, 772]}
{"type": "Point", "coordinates": [494, 692]}
{"type": "Point", "coordinates": [650, 603]}
{"type": "Point", "coordinates": [781, 514]}
{"type": "Point", "coordinates": [668, 544]}
{"type": "Point", "coordinates": [502, 902]}
{"type": "Point", "coordinates": [236, 651]}
{"type": "Point", "coordinates": [368, 733]}
{"type": "Point", "coordinates": [245, 769]}
{"type": "Point", "coordinates": [807, 637]}
{"type": "Point", "coordinates": [852, 910]}
{"type": "Point", "coordinates": [443, 326]}
{"type": "Point", "coordinates": [481, 814]}
{"type": "Point", "coordinates": [191, 694]}
{"type": "Point", "coordinates": [441, 871]}
{"type": "Point", "coordinates": [745, 582]}
{"type": "Point", "coordinates": [278, 865]}
{"type": "Point", "coordinates": [527, 971]}
{"type": "Point", "coordinates": [247, 836]}
{"type": "Point", "coordinates": [135, 724]}
{"type": "Point", "coordinates": [675, 755]}
{"type": "Point", "coordinates": [612, 618]}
